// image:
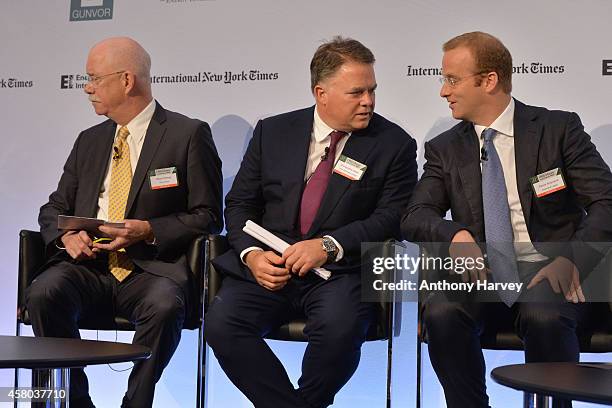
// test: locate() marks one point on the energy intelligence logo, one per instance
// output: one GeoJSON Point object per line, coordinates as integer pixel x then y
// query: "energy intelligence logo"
{"type": "Point", "coordinates": [606, 67]}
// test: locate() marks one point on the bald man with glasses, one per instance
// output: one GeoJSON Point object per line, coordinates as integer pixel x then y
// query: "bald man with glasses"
{"type": "Point", "coordinates": [158, 173]}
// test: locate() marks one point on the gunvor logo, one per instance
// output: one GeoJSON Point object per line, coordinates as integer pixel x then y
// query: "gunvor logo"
{"type": "Point", "coordinates": [86, 10]}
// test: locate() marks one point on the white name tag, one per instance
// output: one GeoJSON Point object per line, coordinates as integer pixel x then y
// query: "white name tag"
{"type": "Point", "coordinates": [163, 178]}
{"type": "Point", "coordinates": [349, 168]}
{"type": "Point", "coordinates": [547, 182]}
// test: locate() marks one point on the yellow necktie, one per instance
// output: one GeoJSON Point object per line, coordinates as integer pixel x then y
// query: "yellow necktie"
{"type": "Point", "coordinates": [121, 179]}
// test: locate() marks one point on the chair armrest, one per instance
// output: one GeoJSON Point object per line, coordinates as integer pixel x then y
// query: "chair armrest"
{"type": "Point", "coordinates": [215, 246]}
{"type": "Point", "coordinates": [195, 256]}
{"type": "Point", "coordinates": [388, 319]}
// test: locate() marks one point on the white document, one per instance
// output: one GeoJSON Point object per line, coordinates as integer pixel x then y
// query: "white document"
{"type": "Point", "coordinates": [266, 237]}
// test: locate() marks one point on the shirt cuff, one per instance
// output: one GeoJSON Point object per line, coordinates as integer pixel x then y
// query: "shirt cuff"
{"type": "Point", "coordinates": [59, 243]}
{"type": "Point", "coordinates": [244, 253]}
{"type": "Point", "coordinates": [340, 250]}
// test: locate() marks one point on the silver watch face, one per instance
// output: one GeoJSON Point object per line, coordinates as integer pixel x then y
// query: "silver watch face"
{"type": "Point", "coordinates": [329, 246]}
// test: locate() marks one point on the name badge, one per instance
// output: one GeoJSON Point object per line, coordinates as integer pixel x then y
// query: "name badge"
{"type": "Point", "coordinates": [547, 182]}
{"type": "Point", "coordinates": [163, 178]}
{"type": "Point", "coordinates": [349, 168]}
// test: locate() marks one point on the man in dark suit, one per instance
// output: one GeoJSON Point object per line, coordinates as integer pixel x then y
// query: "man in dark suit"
{"type": "Point", "coordinates": [325, 179]}
{"type": "Point", "coordinates": [157, 172]}
{"type": "Point", "coordinates": [482, 170]}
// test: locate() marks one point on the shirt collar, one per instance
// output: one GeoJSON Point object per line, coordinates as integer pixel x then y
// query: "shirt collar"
{"type": "Point", "coordinates": [504, 123]}
{"type": "Point", "coordinates": [138, 126]}
{"type": "Point", "coordinates": [320, 129]}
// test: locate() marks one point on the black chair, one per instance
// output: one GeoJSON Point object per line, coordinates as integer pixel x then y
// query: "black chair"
{"type": "Point", "coordinates": [387, 323]}
{"type": "Point", "coordinates": [32, 257]}
{"type": "Point", "coordinates": [502, 335]}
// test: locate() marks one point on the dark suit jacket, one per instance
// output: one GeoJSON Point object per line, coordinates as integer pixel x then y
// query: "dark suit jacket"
{"type": "Point", "coordinates": [543, 140]}
{"type": "Point", "coordinates": [268, 188]}
{"type": "Point", "coordinates": [177, 214]}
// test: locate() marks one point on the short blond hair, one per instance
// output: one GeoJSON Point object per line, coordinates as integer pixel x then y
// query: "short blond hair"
{"type": "Point", "coordinates": [490, 55]}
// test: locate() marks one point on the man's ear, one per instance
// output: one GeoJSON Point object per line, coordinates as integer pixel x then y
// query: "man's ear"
{"type": "Point", "coordinates": [128, 80]}
{"type": "Point", "coordinates": [491, 81]}
{"type": "Point", "coordinates": [320, 95]}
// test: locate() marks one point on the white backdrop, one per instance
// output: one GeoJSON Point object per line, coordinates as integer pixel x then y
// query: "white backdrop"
{"type": "Point", "coordinates": [43, 109]}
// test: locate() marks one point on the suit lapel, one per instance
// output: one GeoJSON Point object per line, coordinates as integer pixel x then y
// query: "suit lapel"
{"type": "Point", "coordinates": [297, 141]}
{"type": "Point", "coordinates": [155, 134]}
{"type": "Point", "coordinates": [527, 137]}
{"type": "Point", "coordinates": [358, 147]}
{"type": "Point", "coordinates": [468, 159]}
{"type": "Point", "coordinates": [99, 166]}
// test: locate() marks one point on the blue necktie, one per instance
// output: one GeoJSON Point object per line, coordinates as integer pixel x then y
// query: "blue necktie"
{"type": "Point", "coordinates": [498, 227]}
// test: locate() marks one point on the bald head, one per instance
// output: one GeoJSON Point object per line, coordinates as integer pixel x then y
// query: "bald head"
{"type": "Point", "coordinates": [123, 53]}
{"type": "Point", "coordinates": [121, 84]}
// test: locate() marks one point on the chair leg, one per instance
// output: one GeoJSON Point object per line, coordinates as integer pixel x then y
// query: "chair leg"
{"type": "Point", "coordinates": [58, 381]}
{"type": "Point", "coordinates": [390, 357]}
{"type": "Point", "coordinates": [419, 362]}
{"type": "Point", "coordinates": [16, 381]}
{"type": "Point", "coordinates": [204, 372]}
{"type": "Point", "coordinates": [16, 386]}
{"type": "Point", "coordinates": [199, 392]}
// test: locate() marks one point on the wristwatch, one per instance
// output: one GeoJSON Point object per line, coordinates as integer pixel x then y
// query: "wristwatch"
{"type": "Point", "coordinates": [329, 246]}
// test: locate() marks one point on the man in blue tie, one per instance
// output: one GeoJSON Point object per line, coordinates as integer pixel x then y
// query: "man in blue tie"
{"type": "Point", "coordinates": [488, 171]}
{"type": "Point", "coordinates": [325, 179]}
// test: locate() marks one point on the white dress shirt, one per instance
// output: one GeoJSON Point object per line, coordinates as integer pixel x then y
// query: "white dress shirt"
{"type": "Point", "coordinates": [138, 129]}
{"type": "Point", "coordinates": [319, 140]}
{"type": "Point", "coordinates": [504, 145]}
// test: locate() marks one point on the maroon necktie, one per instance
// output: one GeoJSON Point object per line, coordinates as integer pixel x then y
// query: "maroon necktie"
{"type": "Point", "coordinates": [316, 186]}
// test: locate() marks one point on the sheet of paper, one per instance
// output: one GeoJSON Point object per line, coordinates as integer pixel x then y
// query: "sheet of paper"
{"type": "Point", "coordinates": [266, 237]}
{"type": "Point", "coordinates": [68, 222]}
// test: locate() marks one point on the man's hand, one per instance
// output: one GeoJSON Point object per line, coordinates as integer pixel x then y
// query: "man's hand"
{"type": "Point", "coordinates": [266, 268]}
{"type": "Point", "coordinates": [79, 245]}
{"type": "Point", "coordinates": [304, 255]}
{"type": "Point", "coordinates": [563, 276]}
{"type": "Point", "coordinates": [134, 231]}
{"type": "Point", "coordinates": [463, 245]}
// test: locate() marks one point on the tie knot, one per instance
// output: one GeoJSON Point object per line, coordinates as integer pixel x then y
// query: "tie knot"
{"type": "Point", "coordinates": [488, 134]}
{"type": "Point", "coordinates": [336, 135]}
{"type": "Point", "coordinates": [123, 133]}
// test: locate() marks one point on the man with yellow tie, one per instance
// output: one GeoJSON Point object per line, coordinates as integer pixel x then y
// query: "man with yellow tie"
{"type": "Point", "coordinates": [158, 173]}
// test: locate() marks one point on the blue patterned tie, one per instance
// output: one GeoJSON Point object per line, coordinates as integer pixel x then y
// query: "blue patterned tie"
{"type": "Point", "coordinates": [498, 227]}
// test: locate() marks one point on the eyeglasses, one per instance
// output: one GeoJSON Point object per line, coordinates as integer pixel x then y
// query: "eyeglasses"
{"type": "Point", "coordinates": [453, 81]}
{"type": "Point", "coordinates": [95, 79]}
